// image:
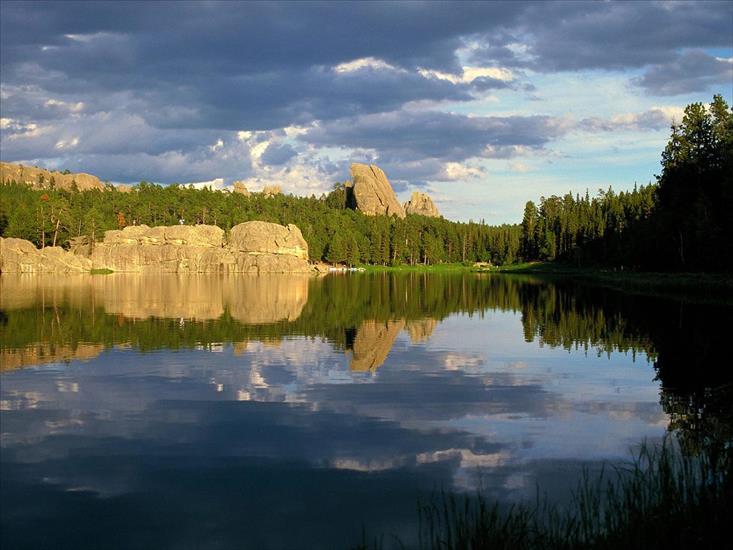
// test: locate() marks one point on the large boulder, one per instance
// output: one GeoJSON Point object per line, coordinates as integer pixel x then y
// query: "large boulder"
{"type": "Point", "coordinates": [268, 238]}
{"type": "Point", "coordinates": [422, 205]}
{"type": "Point", "coordinates": [21, 256]}
{"type": "Point", "coordinates": [42, 179]}
{"type": "Point", "coordinates": [371, 193]}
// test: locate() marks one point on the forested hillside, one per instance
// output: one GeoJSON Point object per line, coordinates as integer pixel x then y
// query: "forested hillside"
{"type": "Point", "coordinates": [334, 232]}
{"type": "Point", "coordinates": [681, 223]}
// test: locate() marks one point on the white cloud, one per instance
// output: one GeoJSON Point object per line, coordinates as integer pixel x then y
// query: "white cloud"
{"type": "Point", "coordinates": [216, 184]}
{"type": "Point", "coordinates": [72, 107]}
{"type": "Point", "coordinates": [217, 146]}
{"type": "Point", "coordinates": [364, 63]}
{"type": "Point", "coordinates": [454, 171]}
{"type": "Point", "coordinates": [470, 74]}
{"type": "Point", "coordinates": [517, 166]}
{"type": "Point", "coordinates": [66, 143]}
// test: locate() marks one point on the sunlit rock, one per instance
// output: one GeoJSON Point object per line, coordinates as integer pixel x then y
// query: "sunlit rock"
{"type": "Point", "coordinates": [21, 256]}
{"type": "Point", "coordinates": [371, 193]}
{"type": "Point", "coordinates": [422, 205]}
{"type": "Point", "coordinates": [45, 179]}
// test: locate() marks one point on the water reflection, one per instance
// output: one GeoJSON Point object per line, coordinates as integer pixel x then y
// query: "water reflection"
{"type": "Point", "coordinates": [210, 411]}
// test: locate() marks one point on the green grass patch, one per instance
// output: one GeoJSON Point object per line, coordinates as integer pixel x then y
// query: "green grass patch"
{"type": "Point", "coordinates": [701, 285]}
{"type": "Point", "coordinates": [101, 271]}
{"type": "Point", "coordinates": [419, 268]}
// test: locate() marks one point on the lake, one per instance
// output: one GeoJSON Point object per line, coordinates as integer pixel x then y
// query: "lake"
{"type": "Point", "coordinates": [292, 412]}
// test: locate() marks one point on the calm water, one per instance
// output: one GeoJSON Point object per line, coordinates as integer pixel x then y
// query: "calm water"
{"type": "Point", "coordinates": [288, 411]}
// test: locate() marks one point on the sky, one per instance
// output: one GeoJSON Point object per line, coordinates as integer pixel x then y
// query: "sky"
{"type": "Point", "coordinates": [482, 105]}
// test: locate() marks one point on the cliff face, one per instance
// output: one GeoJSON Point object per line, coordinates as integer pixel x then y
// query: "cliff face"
{"type": "Point", "coordinates": [21, 256]}
{"type": "Point", "coordinates": [371, 192]}
{"type": "Point", "coordinates": [42, 179]}
{"type": "Point", "coordinates": [422, 205]}
{"type": "Point", "coordinates": [253, 247]}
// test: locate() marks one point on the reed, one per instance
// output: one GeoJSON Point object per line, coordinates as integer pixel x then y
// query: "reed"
{"type": "Point", "coordinates": [661, 498]}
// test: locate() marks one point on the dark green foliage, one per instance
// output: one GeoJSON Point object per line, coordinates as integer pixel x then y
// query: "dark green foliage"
{"type": "Point", "coordinates": [682, 223]}
{"type": "Point", "coordinates": [333, 232]}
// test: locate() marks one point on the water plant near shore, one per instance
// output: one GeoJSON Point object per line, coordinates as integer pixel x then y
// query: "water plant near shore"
{"type": "Point", "coordinates": [662, 498]}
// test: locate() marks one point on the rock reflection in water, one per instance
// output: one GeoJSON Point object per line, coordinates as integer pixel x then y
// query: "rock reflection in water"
{"type": "Point", "coordinates": [250, 299]}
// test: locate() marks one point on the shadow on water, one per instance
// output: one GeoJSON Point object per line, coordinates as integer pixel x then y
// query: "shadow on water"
{"type": "Point", "coordinates": [99, 444]}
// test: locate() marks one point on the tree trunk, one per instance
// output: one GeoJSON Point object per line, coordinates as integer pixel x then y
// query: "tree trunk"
{"type": "Point", "coordinates": [56, 232]}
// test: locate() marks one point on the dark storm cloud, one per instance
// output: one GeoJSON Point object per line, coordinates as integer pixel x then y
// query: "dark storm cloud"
{"type": "Point", "coordinates": [413, 135]}
{"type": "Point", "coordinates": [277, 155]}
{"type": "Point", "coordinates": [257, 66]}
{"type": "Point", "coordinates": [563, 36]}
{"type": "Point", "coordinates": [262, 66]}
{"type": "Point", "coordinates": [155, 83]}
{"type": "Point", "coordinates": [689, 72]}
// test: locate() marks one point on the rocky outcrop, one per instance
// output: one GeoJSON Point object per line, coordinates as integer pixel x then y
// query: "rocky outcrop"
{"type": "Point", "coordinates": [241, 188]}
{"type": "Point", "coordinates": [253, 247]}
{"type": "Point", "coordinates": [44, 179]}
{"type": "Point", "coordinates": [371, 193]}
{"type": "Point", "coordinates": [21, 256]}
{"type": "Point", "coordinates": [268, 238]}
{"type": "Point", "coordinates": [422, 205]}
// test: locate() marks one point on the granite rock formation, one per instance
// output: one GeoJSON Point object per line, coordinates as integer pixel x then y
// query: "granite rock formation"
{"type": "Point", "coordinates": [42, 179]}
{"type": "Point", "coordinates": [422, 205]}
{"type": "Point", "coordinates": [371, 193]}
{"type": "Point", "coordinates": [21, 256]}
{"type": "Point", "coordinates": [253, 247]}
{"type": "Point", "coordinates": [268, 238]}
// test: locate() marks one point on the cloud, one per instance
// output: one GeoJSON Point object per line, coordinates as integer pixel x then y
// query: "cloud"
{"type": "Point", "coordinates": [421, 145]}
{"type": "Point", "coordinates": [688, 72]}
{"type": "Point", "coordinates": [265, 92]}
{"type": "Point", "coordinates": [567, 36]}
{"type": "Point", "coordinates": [412, 135]}
{"type": "Point", "coordinates": [656, 118]}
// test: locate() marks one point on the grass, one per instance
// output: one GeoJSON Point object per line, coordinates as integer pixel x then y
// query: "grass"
{"type": "Point", "coordinates": [419, 268]}
{"type": "Point", "coordinates": [699, 284]}
{"type": "Point", "coordinates": [101, 271]}
{"type": "Point", "coordinates": [661, 499]}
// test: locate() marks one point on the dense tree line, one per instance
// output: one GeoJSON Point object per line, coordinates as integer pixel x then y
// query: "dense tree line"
{"type": "Point", "coordinates": [683, 222]}
{"type": "Point", "coordinates": [334, 232]}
